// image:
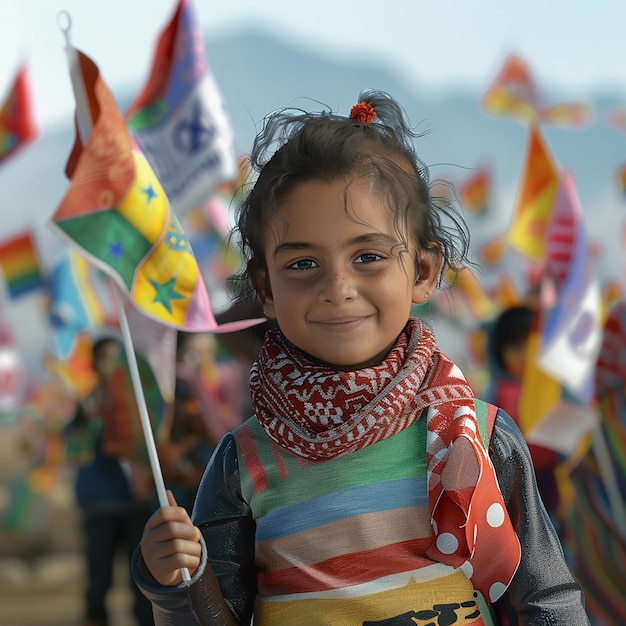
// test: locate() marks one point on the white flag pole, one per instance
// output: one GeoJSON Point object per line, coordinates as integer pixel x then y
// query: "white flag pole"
{"type": "Point", "coordinates": [83, 114]}
{"type": "Point", "coordinates": [85, 126]}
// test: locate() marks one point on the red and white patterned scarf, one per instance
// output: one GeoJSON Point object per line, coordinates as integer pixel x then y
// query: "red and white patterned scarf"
{"type": "Point", "coordinates": [319, 413]}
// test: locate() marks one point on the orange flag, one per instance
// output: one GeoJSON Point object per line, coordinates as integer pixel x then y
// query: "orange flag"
{"type": "Point", "coordinates": [475, 192]}
{"type": "Point", "coordinates": [514, 94]}
{"type": "Point", "coordinates": [492, 252]}
{"type": "Point", "coordinates": [506, 294]}
{"type": "Point", "coordinates": [537, 194]}
{"type": "Point", "coordinates": [477, 300]}
{"type": "Point", "coordinates": [118, 216]}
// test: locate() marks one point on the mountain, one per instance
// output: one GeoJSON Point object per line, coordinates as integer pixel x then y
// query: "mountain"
{"type": "Point", "coordinates": [258, 74]}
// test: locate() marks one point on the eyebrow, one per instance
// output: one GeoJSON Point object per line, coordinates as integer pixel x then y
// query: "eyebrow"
{"type": "Point", "coordinates": [368, 238]}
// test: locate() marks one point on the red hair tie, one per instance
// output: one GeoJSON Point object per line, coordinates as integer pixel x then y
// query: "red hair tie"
{"type": "Point", "coordinates": [363, 112]}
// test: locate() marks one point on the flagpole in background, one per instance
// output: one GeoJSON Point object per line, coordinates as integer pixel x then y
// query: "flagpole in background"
{"type": "Point", "coordinates": [85, 126]}
{"type": "Point", "coordinates": [607, 474]}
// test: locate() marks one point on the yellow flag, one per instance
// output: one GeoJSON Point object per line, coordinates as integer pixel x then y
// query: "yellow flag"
{"type": "Point", "coordinates": [540, 392]}
{"type": "Point", "coordinates": [538, 190]}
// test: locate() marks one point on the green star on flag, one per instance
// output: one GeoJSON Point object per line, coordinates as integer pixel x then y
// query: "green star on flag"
{"type": "Point", "coordinates": [165, 293]}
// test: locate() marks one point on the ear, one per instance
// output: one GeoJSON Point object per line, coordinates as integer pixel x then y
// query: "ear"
{"type": "Point", "coordinates": [268, 307]}
{"type": "Point", "coordinates": [265, 299]}
{"type": "Point", "coordinates": [428, 270]}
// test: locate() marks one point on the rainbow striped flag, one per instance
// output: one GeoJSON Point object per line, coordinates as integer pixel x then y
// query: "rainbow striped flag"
{"type": "Point", "coordinates": [117, 214]}
{"type": "Point", "coordinates": [19, 262]}
{"type": "Point", "coordinates": [179, 119]}
{"type": "Point", "coordinates": [17, 121]}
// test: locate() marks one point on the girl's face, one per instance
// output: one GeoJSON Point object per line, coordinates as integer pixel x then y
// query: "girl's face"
{"type": "Point", "coordinates": [342, 282]}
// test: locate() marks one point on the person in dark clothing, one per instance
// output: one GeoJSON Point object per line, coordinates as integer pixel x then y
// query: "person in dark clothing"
{"type": "Point", "coordinates": [113, 514]}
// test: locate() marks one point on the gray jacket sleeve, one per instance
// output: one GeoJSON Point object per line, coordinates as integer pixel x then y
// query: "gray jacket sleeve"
{"type": "Point", "coordinates": [223, 592]}
{"type": "Point", "coordinates": [543, 591]}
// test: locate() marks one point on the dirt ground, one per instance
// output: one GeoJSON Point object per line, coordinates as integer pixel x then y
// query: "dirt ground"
{"type": "Point", "coordinates": [49, 593]}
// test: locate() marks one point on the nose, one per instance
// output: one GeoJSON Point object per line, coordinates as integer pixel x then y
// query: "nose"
{"type": "Point", "coordinates": [337, 286]}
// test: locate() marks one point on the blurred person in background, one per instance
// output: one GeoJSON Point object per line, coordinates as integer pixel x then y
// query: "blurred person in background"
{"type": "Point", "coordinates": [506, 357]}
{"type": "Point", "coordinates": [115, 495]}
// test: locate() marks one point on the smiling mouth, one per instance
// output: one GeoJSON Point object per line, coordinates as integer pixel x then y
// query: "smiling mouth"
{"type": "Point", "coordinates": [341, 324]}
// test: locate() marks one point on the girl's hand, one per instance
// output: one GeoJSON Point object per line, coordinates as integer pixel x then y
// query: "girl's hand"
{"type": "Point", "coordinates": [170, 542]}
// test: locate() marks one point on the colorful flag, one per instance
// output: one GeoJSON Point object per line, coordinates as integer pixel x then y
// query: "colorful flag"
{"type": "Point", "coordinates": [567, 114]}
{"type": "Point", "coordinates": [474, 295]}
{"type": "Point", "coordinates": [74, 371]}
{"type": "Point", "coordinates": [156, 344]}
{"type": "Point", "coordinates": [75, 304]}
{"type": "Point", "coordinates": [17, 120]}
{"type": "Point", "coordinates": [117, 214]}
{"type": "Point", "coordinates": [19, 262]}
{"type": "Point", "coordinates": [492, 252]}
{"type": "Point", "coordinates": [475, 192]}
{"type": "Point", "coordinates": [527, 232]}
{"type": "Point", "coordinates": [540, 392]}
{"type": "Point", "coordinates": [514, 94]}
{"type": "Point", "coordinates": [506, 294]}
{"type": "Point", "coordinates": [564, 427]}
{"type": "Point", "coordinates": [572, 330]}
{"type": "Point", "coordinates": [561, 232]}
{"type": "Point", "coordinates": [208, 229]}
{"type": "Point", "coordinates": [179, 119]}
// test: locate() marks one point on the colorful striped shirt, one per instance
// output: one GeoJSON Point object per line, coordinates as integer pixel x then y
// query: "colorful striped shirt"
{"type": "Point", "coordinates": [343, 541]}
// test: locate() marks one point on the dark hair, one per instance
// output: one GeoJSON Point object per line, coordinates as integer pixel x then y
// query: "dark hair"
{"type": "Point", "coordinates": [99, 345]}
{"type": "Point", "coordinates": [512, 327]}
{"type": "Point", "coordinates": [295, 146]}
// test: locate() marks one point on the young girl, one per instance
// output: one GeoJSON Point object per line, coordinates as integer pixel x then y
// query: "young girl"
{"type": "Point", "coordinates": [370, 487]}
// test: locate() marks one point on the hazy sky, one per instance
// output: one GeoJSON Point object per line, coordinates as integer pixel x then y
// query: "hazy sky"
{"type": "Point", "coordinates": [574, 45]}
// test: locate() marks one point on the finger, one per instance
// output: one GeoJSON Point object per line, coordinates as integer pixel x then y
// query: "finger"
{"type": "Point", "coordinates": [167, 568]}
{"type": "Point", "coordinates": [183, 552]}
{"type": "Point", "coordinates": [170, 498]}
{"type": "Point", "coordinates": [167, 514]}
{"type": "Point", "coordinates": [171, 530]}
